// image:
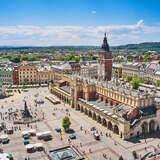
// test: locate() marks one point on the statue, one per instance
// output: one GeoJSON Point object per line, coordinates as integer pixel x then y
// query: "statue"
{"type": "Point", "coordinates": [25, 112]}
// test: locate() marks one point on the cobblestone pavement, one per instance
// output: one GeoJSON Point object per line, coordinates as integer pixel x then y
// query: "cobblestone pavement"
{"type": "Point", "coordinates": [84, 141]}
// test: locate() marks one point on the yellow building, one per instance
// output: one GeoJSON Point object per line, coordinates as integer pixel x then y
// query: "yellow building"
{"type": "Point", "coordinates": [27, 74]}
{"type": "Point", "coordinates": [45, 75]}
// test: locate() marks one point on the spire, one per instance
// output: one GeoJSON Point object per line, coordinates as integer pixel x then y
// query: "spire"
{"type": "Point", "coordinates": [105, 45]}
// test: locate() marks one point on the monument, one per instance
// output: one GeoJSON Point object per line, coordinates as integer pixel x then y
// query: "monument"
{"type": "Point", "coordinates": [25, 112]}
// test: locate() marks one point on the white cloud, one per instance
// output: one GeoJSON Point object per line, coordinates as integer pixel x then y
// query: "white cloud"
{"type": "Point", "coordinates": [140, 23]}
{"type": "Point", "coordinates": [78, 35]}
{"type": "Point", "coordinates": [93, 12]}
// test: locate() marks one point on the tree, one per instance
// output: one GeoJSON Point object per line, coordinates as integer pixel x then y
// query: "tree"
{"type": "Point", "coordinates": [135, 82]}
{"type": "Point", "coordinates": [146, 58]}
{"type": "Point", "coordinates": [129, 78]}
{"type": "Point", "coordinates": [15, 59]}
{"type": "Point", "coordinates": [157, 83]}
{"type": "Point", "coordinates": [24, 57]}
{"type": "Point", "coordinates": [66, 123]}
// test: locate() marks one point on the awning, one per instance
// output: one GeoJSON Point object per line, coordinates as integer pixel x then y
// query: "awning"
{"type": "Point", "coordinates": [29, 146]}
{"type": "Point", "coordinates": [38, 145]}
{"type": "Point", "coordinates": [4, 136]}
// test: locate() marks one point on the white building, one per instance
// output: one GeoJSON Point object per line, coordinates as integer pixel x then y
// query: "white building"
{"type": "Point", "coordinates": [6, 74]}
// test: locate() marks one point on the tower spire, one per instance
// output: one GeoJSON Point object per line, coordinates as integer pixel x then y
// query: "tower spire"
{"type": "Point", "coordinates": [105, 61]}
{"type": "Point", "coordinates": [105, 45]}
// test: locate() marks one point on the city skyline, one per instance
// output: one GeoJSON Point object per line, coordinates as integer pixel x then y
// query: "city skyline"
{"type": "Point", "coordinates": [47, 23]}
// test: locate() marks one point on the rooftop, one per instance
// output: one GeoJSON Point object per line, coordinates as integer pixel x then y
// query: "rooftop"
{"type": "Point", "coordinates": [44, 68]}
{"type": "Point", "coordinates": [115, 85]}
{"type": "Point", "coordinates": [65, 153]}
{"type": "Point", "coordinates": [62, 66]}
{"type": "Point", "coordinates": [66, 89]}
{"type": "Point", "coordinates": [103, 107]}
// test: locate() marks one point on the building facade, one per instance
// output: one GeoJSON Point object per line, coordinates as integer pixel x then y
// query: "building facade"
{"type": "Point", "coordinates": [148, 71]}
{"type": "Point", "coordinates": [118, 107]}
{"type": "Point", "coordinates": [44, 75]}
{"type": "Point", "coordinates": [6, 75]}
{"type": "Point", "coordinates": [27, 74]}
{"type": "Point", "coordinates": [89, 70]}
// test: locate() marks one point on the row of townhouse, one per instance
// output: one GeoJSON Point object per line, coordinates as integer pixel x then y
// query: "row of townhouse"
{"type": "Point", "coordinates": [150, 71]}
{"type": "Point", "coordinates": [34, 73]}
{"type": "Point", "coordinates": [25, 74]}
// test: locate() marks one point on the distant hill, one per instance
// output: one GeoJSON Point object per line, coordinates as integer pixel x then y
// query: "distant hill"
{"type": "Point", "coordinates": [141, 46]}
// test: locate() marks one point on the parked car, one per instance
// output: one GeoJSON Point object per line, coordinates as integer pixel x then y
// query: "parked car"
{"type": "Point", "coordinates": [72, 136]}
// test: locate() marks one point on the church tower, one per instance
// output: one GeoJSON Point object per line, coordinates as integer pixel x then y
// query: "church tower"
{"type": "Point", "coordinates": [105, 61]}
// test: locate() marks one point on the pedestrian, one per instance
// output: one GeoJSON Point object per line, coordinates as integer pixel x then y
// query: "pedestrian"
{"type": "Point", "coordinates": [80, 144]}
{"type": "Point", "coordinates": [140, 156]}
{"type": "Point", "coordinates": [104, 155]}
{"type": "Point", "coordinates": [145, 141]}
{"type": "Point", "coordinates": [81, 128]}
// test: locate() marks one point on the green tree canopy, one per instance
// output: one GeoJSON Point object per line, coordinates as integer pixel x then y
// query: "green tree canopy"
{"type": "Point", "coordinates": [129, 78]}
{"type": "Point", "coordinates": [15, 59]}
{"type": "Point", "coordinates": [157, 83]}
{"type": "Point", "coordinates": [135, 82]}
{"type": "Point", "coordinates": [66, 123]}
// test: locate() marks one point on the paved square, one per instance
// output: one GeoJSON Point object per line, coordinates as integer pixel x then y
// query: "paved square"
{"type": "Point", "coordinates": [85, 142]}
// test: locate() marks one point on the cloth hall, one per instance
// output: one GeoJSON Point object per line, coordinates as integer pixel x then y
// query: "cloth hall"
{"type": "Point", "coordinates": [108, 100]}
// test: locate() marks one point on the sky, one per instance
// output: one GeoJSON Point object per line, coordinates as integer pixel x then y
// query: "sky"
{"type": "Point", "coordinates": [78, 22]}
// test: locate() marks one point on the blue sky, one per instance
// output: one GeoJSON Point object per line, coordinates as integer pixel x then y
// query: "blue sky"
{"type": "Point", "coordinates": [78, 22]}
